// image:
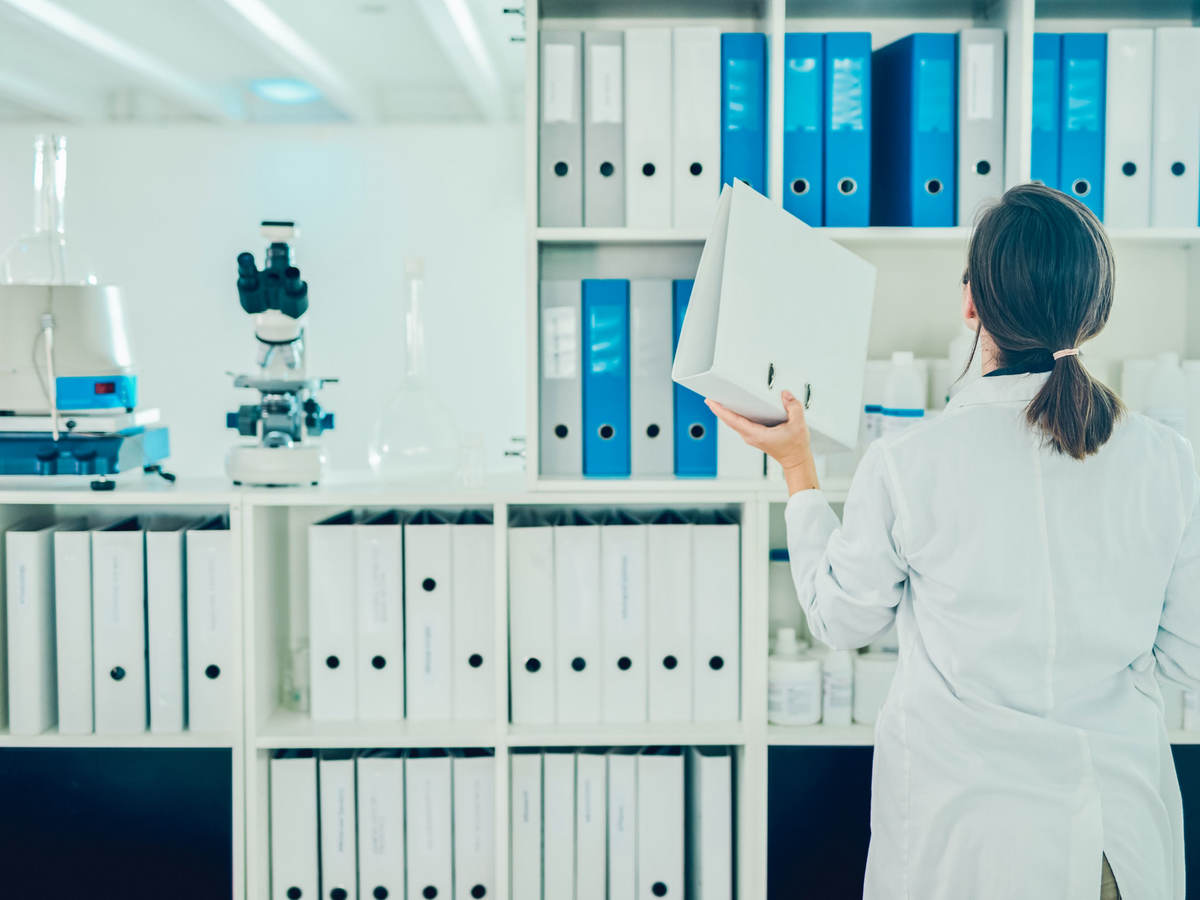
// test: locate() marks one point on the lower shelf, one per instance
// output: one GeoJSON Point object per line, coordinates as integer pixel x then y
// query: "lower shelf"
{"type": "Point", "coordinates": [639, 735]}
{"type": "Point", "coordinates": [143, 739]}
{"type": "Point", "coordinates": [286, 729]}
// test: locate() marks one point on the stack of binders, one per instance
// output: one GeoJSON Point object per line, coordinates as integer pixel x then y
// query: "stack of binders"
{"type": "Point", "coordinates": [114, 629]}
{"type": "Point", "coordinates": [623, 824]}
{"type": "Point", "coordinates": [416, 640]}
{"type": "Point", "coordinates": [378, 823]}
{"type": "Point", "coordinates": [617, 618]}
{"type": "Point", "coordinates": [640, 128]}
{"type": "Point", "coordinates": [608, 406]}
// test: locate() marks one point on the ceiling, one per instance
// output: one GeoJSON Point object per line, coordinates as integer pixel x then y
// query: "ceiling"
{"type": "Point", "coordinates": [364, 61]}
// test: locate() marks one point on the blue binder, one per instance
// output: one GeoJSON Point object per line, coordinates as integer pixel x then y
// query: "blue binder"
{"type": "Point", "coordinates": [1081, 160]}
{"type": "Point", "coordinates": [606, 448]}
{"type": "Point", "coordinates": [1047, 61]}
{"type": "Point", "coordinates": [695, 425]}
{"type": "Point", "coordinates": [744, 109]}
{"type": "Point", "coordinates": [803, 125]}
{"type": "Point", "coordinates": [848, 129]}
{"type": "Point", "coordinates": [912, 160]}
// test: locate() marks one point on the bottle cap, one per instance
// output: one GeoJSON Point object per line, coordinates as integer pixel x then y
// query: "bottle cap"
{"type": "Point", "coordinates": [1168, 358]}
{"type": "Point", "coordinates": [414, 265]}
{"type": "Point", "coordinates": [786, 643]}
{"type": "Point", "coordinates": [903, 357]}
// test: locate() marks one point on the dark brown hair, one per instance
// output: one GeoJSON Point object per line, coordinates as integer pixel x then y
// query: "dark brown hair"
{"type": "Point", "coordinates": [1041, 274]}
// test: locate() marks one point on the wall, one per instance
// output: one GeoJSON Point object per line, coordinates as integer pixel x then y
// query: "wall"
{"type": "Point", "coordinates": [164, 211]}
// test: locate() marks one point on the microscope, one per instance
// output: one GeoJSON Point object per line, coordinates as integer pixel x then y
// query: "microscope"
{"type": "Point", "coordinates": [287, 415]}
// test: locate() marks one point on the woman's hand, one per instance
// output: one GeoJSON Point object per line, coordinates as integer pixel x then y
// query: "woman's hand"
{"type": "Point", "coordinates": [787, 443]}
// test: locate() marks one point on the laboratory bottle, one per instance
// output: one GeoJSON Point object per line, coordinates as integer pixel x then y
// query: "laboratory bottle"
{"type": "Point", "coordinates": [838, 680]}
{"type": "Point", "coordinates": [1166, 393]}
{"type": "Point", "coordinates": [904, 393]}
{"type": "Point", "coordinates": [793, 683]}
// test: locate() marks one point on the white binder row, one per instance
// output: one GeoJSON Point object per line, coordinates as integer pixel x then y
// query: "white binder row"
{"type": "Point", "coordinates": [615, 618]}
{"type": "Point", "coordinates": [594, 825]}
{"type": "Point", "coordinates": [115, 628]}
{"type": "Point", "coordinates": [641, 110]}
{"type": "Point", "coordinates": [382, 823]}
{"type": "Point", "coordinates": [401, 616]}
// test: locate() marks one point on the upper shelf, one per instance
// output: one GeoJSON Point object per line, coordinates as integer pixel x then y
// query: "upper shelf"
{"type": "Point", "coordinates": [690, 9]}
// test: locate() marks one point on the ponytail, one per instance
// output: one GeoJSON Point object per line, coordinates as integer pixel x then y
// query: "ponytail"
{"type": "Point", "coordinates": [1073, 410]}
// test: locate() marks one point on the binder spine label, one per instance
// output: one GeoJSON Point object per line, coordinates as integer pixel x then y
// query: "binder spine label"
{"type": "Point", "coordinates": [848, 111]}
{"type": "Point", "coordinates": [558, 83]}
{"type": "Point", "coordinates": [605, 83]}
{"type": "Point", "coordinates": [980, 62]}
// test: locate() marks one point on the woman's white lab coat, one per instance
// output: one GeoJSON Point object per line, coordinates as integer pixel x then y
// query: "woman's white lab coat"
{"type": "Point", "coordinates": [1033, 595]}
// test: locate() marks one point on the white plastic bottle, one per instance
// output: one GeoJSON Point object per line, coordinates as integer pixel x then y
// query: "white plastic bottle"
{"type": "Point", "coordinates": [904, 393]}
{"type": "Point", "coordinates": [1166, 393]}
{"type": "Point", "coordinates": [793, 683]}
{"type": "Point", "coordinates": [838, 687]}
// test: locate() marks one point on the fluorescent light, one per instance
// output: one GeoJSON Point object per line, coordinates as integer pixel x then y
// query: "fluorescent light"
{"type": "Point", "coordinates": [288, 91]}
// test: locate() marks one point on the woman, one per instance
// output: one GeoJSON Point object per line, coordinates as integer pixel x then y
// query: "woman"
{"type": "Point", "coordinates": [1039, 552]}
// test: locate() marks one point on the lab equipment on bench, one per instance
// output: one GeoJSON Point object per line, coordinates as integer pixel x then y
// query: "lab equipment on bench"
{"type": "Point", "coordinates": [287, 415]}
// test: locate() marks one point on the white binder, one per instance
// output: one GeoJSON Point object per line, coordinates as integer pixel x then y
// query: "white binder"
{"type": "Point", "coordinates": [380, 789]}
{"type": "Point", "coordinates": [591, 827]}
{"type": "Point", "coordinates": [379, 554]}
{"type": "Point", "coordinates": [710, 823]}
{"type": "Point", "coordinates": [531, 623]}
{"type": "Point", "coordinates": [770, 276]}
{"type": "Point", "coordinates": [560, 130]}
{"type": "Point", "coordinates": [1127, 127]}
{"type": "Point", "coordinates": [427, 804]}
{"type": "Point", "coordinates": [558, 834]}
{"type": "Point", "coordinates": [294, 839]}
{"type": "Point", "coordinates": [622, 825]}
{"type": "Point", "coordinates": [1175, 156]}
{"type": "Point", "coordinates": [669, 617]}
{"type": "Point", "coordinates": [119, 627]}
{"type": "Point", "coordinates": [660, 823]}
{"type": "Point", "coordinates": [213, 704]}
{"type": "Point", "coordinates": [73, 626]}
{"type": "Point", "coordinates": [339, 853]}
{"type": "Point", "coordinates": [651, 394]}
{"type": "Point", "coordinates": [427, 623]}
{"type": "Point", "coordinates": [623, 597]}
{"type": "Point", "coordinates": [474, 825]}
{"type": "Point", "coordinates": [716, 618]}
{"type": "Point", "coordinates": [166, 634]}
{"type": "Point", "coordinates": [648, 128]}
{"type": "Point", "coordinates": [577, 619]}
{"type": "Point", "coordinates": [696, 155]}
{"type": "Point", "coordinates": [737, 460]}
{"type": "Point", "coordinates": [980, 119]}
{"type": "Point", "coordinates": [331, 627]}
{"type": "Point", "coordinates": [32, 672]}
{"type": "Point", "coordinates": [603, 129]}
{"type": "Point", "coordinates": [525, 815]}
{"type": "Point", "coordinates": [474, 614]}
{"type": "Point", "coordinates": [560, 400]}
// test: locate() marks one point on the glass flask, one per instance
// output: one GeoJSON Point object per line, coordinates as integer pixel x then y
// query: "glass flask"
{"type": "Point", "coordinates": [43, 256]}
{"type": "Point", "coordinates": [415, 433]}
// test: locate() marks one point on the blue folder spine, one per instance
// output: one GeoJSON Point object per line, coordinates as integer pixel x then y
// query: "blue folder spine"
{"type": "Point", "coordinates": [606, 447]}
{"type": "Point", "coordinates": [1081, 160]}
{"type": "Point", "coordinates": [848, 129]}
{"type": "Point", "coordinates": [744, 109]}
{"type": "Point", "coordinates": [804, 126]}
{"type": "Point", "coordinates": [695, 425]}
{"type": "Point", "coordinates": [1047, 62]}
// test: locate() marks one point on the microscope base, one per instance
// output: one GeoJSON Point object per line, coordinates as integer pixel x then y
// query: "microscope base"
{"type": "Point", "coordinates": [252, 464]}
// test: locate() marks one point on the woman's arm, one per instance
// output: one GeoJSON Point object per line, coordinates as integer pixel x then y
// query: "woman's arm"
{"type": "Point", "coordinates": [1177, 645]}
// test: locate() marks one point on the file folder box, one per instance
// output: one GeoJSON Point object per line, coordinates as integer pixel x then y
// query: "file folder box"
{"type": "Point", "coordinates": [379, 612]}
{"type": "Point", "coordinates": [1081, 165]}
{"type": "Point", "coordinates": [166, 632]}
{"type": "Point", "coordinates": [716, 618]}
{"type": "Point", "coordinates": [380, 796]}
{"type": "Point", "coordinates": [622, 823]}
{"type": "Point", "coordinates": [980, 119]}
{"type": "Point", "coordinates": [660, 841]}
{"type": "Point", "coordinates": [606, 439]}
{"type": "Point", "coordinates": [604, 129]}
{"type": "Point", "coordinates": [764, 277]}
{"type": "Point", "coordinates": [803, 126]}
{"type": "Point", "coordinates": [591, 826]}
{"type": "Point", "coordinates": [211, 655]}
{"type": "Point", "coordinates": [744, 109]}
{"type": "Point", "coordinates": [428, 602]}
{"type": "Point", "coordinates": [696, 85]}
{"type": "Point", "coordinates": [525, 815]}
{"type": "Point", "coordinates": [577, 618]}
{"type": "Point", "coordinates": [32, 672]}
{"type": "Point", "coordinates": [623, 596]}
{"type": "Point", "coordinates": [1047, 101]}
{"type": "Point", "coordinates": [531, 619]}
{"type": "Point", "coordinates": [295, 846]}
{"type": "Point", "coordinates": [473, 589]}
{"type": "Point", "coordinates": [1175, 179]}
{"type": "Point", "coordinates": [650, 397]}
{"type": "Point", "coordinates": [73, 629]}
{"type": "Point", "coordinates": [912, 158]}
{"type": "Point", "coordinates": [695, 425]}
{"type": "Point", "coordinates": [339, 851]}
{"type": "Point", "coordinates": [710, 823]}
{"type": "Point", "coordinates": [561, 394]}
{"type": "Point", "coordinates": [474, 825]}
{"type": "Point", "coordinates": [1128, 123]}
{"type": "Point", "coordinates": [332, 627]}
{"type": "Point", "coordinates": [847, 129]}
{"type": "Point", "coordinates": [669, 617]}
{"type": "Point", "coordinates": [430, 847]}
{"type": "Point", "coordinates": [558, 835]}
{"type": "Point", "coordinates": [648, 127]}
{"type": "Point", "coordinates": [560, 129]}
{"type": "Point", "coordinates": [119, 627]}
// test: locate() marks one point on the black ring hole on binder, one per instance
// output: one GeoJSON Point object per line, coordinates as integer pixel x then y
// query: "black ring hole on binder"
{"type": "Point", "coordinates": [933, 186]}
{"type": "Point", "coordinates": [428, 584]}
{"type": "Point", "coordinates": [800, 186]}
{"type": "Point", "coordinates": [983, 167]}
{"type": "Point", "coordinates": [716, 663]}
{"type": "Point", "coordinates": [624, 663]}
{"type": "Point", "coordinates": [670, 662]}
{"type": "Point", "coordinates": [378, 662]}
{"type": "Point", "coordinates": [606, 432]}
{"type": "Point", "coordinates": [647, 170]}
{"type": "Point", "coordinates": [696, 431]}
{"type": "Point", "coordinates": [652, 430]}
{"type": "Point", "coordinates": [294, 893]}
{"type": "Point", "coordinates": [1128, 168]}
{"type": "Point", "coordinates": [338, 894]}
{"type": "Point", "coordinates": [478, 892]}
{"type": "Point", "coordinates": [695, 168]}
{"type": "Point", "coordinates": [770, 374]}
{"type": "Point", "coordinates": [430, 892]}
{"type": "Point", "coordinates": [116, 673]}
{"type": "Point", "coordinates": [560, 431]}
{"type": "Point", "coordinates": [212, 671]}
{"type": "Point", "coordinates": [1081, 186]}
{"type": "Point", "coordinates": [560, 168]}
{"type": "Point", "coordinates": [380, 893]}
{"type": "Point", "coordinates": [332, 662]}
{"type": "Point", "coordinates": [658, 889]}
{"type": "Point", "coordinates": [606, 169]}
{"type": "Point", "coordinates": [1178, 168]}
{"type": "Point", "coordinates": [847, 186]}
{"type": "Point", "coordinates": [532, 664]}
{"type": "Point", "coordinates": [474, 660]}
{"type": "Point", "coordinates": [579, 664]}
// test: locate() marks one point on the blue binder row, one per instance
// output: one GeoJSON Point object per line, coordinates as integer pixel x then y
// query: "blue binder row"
{"type": "Point", "coordinates": [744, 109]}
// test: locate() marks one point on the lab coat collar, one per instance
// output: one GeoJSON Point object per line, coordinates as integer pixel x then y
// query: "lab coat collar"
{"type": "Point", "coordinates": [999, 389]}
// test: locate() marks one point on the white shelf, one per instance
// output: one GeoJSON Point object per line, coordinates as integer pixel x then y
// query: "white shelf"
{"type": "Point", "coordinates": [138, 740]}
{"type": "Point", "coordinates": [286, 729]}
{"type": "Point", "coordinates": [641, 735]}
{"type": "Point", "coordinates": [820, 735]}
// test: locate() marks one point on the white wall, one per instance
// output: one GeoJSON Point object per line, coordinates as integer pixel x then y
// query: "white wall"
{"type": "Point", "coordinates": [164, 211]}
